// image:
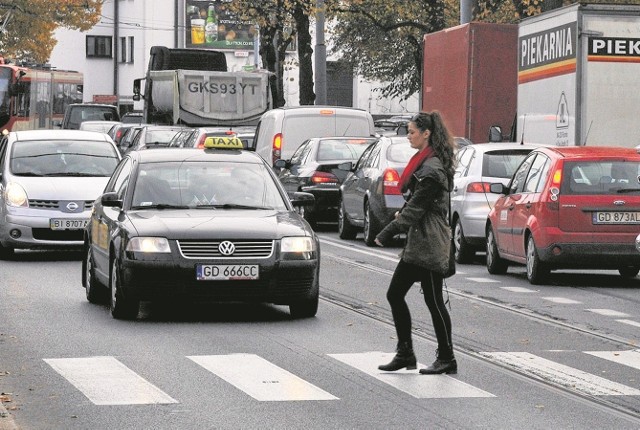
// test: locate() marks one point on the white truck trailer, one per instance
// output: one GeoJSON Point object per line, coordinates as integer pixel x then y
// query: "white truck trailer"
{"type": "Point", "coordinates": [579, 76]}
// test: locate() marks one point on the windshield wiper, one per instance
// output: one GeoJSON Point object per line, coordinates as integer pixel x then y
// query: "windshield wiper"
{"type": "Point", "coordinates": [160, 206]}
{"type": "Point", "coordinates": [237, 206]}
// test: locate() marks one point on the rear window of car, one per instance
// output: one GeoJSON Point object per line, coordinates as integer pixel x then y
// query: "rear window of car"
{"type": "Point", "coordinates": [502, 164]}
{"type": "Point", "coordinates": [400, 151]}
{"type": "Point", "coordinates": [601, 177]}
{"type": "Point", "coordinates": [342, 149]}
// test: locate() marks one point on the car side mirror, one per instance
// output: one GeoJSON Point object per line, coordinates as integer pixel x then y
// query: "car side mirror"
{"type": "Point", "coordinates": [300, 198]}
{"type": "Point", "coordinates": [281, 164]}
{"type": "Point", "coordinates": [498, 188]}
{"type": "Point", "coordinates": [111, 200]}
{"type": "Point", "coordinates": [495, 133]}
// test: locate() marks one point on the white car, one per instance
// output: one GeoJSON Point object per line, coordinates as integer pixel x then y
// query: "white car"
{"type": "Point", "coordinates": [49, 180]}
{"type": "Point", "coordinates": [479, 165]}
{"type": "Point", "coordinates": [99, 126]}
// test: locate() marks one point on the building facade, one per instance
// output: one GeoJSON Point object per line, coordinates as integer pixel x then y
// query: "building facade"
{"type": "Point", "coordinates": [116, 51]}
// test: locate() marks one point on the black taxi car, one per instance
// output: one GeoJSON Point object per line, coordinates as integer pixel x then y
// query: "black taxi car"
{"type": "Point", "coordinates": [208, 225]}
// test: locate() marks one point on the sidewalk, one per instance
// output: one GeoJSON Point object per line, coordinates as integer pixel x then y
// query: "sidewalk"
{"type": "Point", "coordinates": [6, 420]}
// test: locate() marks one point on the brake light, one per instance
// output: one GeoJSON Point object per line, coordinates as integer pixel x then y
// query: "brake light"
{"type": "Point", "coordinates": [200, 144]}
{"type": "Point", "coordinates": [276, 147]}
{"type": "Point", "coordinates": [557, 178]}
{"type": "Point", "coordinates": [323, 178]}
{"type": "Point", "coordinates": [479, 187]}
{"type": "Point", "coordinates": [390, 180]}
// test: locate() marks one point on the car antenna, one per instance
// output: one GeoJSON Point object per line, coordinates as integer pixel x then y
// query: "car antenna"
{"type": "Point", "coordinates": [524, 122]}
{"type": "Point", "coordinates": [587, 135]}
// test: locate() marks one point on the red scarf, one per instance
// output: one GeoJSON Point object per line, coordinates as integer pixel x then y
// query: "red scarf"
{"type": "Point", "coordinates": [415, 162]}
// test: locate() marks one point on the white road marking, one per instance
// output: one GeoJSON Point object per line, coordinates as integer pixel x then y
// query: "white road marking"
{"type": "Point", "coordinates": [410, 381]}
{"type": "Point", "coordinates": [484, 280]}
{"type": "Point", "coordinates": [608, 313]}
{"type": "Point", "coordinates": [629, 358]}
{"type": "Point", "coordinates": [557, 373]}
{"type": "Point", "coordinates": [562, 300]}
{"type": "Point", "coordinates": [630, 322]}
{"type": "Point", "coordinates": [106, 381]}
{"type": "Point", "coordinates": [519, 290]}
{"type": "Point", "coordinates": [259, 378]}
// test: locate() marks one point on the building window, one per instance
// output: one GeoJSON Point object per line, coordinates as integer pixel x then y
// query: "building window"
{"type": "Point", "coordinates": [130, 52]}
{"type": "Point", "coordinates": [123, 49]}
{"type": "Point", "coordinates": [99, 46]}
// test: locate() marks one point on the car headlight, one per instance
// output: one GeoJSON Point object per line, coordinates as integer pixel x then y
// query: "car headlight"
{"type": "Point", "coordinates": [297, 248]}
{"type": "Point", "coordinates": [16, 196]}
{"type": "Point", "coordinates": [149, 245]}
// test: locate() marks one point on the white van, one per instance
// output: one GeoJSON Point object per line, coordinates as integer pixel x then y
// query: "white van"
{"type": "Point", "coordinates": [280, 131]}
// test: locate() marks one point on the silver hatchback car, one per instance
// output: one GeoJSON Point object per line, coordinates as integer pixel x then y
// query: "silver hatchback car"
{"type": "Point", "coordinates": [479, 165]}
{"type": "Point", "coordinates": [49, 180]}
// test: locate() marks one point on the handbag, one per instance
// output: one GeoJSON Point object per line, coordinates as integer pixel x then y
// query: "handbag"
{"type": "Point", "coordinates": [452, 248]}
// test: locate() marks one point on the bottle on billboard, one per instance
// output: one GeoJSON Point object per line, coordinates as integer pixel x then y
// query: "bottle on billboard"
{"type": "Point", "coordinates": [211, 26]}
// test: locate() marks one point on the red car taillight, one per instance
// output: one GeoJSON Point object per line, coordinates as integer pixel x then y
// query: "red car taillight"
{"type": "Point", "coordinates": [324, 178]}
{"type": "Point", "coordinates": [390, 179]}
{"type": "Point", "coordinates": [479, 187]}
{"type": "Point", "coordinates": [554, 190]}
{"type": "Point", "coordinates": [200, 144]}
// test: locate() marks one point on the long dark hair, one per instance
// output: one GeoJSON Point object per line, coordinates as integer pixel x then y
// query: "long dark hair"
{"type": "Point", "coordinates": [440, 139]}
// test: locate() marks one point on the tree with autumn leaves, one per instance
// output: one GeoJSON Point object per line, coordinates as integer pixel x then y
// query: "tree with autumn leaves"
{"type": "Point", "coordinates": [30, 25]}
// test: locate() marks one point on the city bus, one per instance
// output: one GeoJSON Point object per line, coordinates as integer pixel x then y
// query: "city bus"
{"type": "Point", "coordinates": [35, 98]}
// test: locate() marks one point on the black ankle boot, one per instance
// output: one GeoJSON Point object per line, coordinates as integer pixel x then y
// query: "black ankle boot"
{"type": "Point", "coordinates": [445, 363]}
{"type": "Point", "coordinates": [405, 358]}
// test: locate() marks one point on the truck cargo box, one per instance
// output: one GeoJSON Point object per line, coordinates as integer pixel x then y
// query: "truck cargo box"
{"type": "Point", "coordinates": [470, 76]}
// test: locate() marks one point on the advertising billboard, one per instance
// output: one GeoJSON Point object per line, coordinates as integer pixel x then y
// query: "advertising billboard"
{"type": "Point", "coordinates": [210, 25]}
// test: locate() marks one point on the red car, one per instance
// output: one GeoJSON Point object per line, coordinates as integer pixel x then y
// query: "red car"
{"type": "Point", "coordinates": [568, 208]}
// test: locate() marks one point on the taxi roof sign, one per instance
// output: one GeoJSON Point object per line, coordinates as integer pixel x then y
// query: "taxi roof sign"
{"type": "Point", "coordinates": [223, 142]}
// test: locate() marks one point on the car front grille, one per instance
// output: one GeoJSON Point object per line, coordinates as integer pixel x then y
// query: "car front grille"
{"type": "Point", "coordinates": [54, 204]}
{"type": "Point", "coordinates": [210, 249]}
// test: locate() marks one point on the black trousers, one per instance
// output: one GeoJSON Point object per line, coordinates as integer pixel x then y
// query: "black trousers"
{"type": "Point", "coordinates": [405, 275]}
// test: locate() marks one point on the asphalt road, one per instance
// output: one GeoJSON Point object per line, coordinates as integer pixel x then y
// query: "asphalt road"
{"type": "Point", "coordinates": [557, 356]}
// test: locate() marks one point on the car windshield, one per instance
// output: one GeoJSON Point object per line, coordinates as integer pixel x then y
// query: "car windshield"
{"type": "Point", "coordinates": [63, 158]}
{"type": "Point", "coordinates": [342, 149]}
{"type": "Point", "coordinates": [502, 164]}
{"type": "Point", "coordinates": [198, 184]}
{"type": "Point", "coordinates": [160, 137]}
{"type": "Point", "coordinates": [400, 151]}
{"type": "Point", "coordinates": [600, 177]}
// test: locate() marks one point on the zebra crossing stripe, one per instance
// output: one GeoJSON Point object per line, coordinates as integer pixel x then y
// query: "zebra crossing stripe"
{"type": "Point", "coordinates": [259, 378]}
{"type": "Point", "coordinates": [628, 358]}
{"type": "Point", "coordinates": [560, 374]}
{"type": "Point", "coordinates": [106, 381]}
{"type": "Point", "coordinates": [410, 381]}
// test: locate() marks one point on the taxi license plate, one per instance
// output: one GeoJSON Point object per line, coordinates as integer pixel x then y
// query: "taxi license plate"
{"type": "Point", "coordinates": [616, 218]}
{"type": "Point", "coordinates": [232, 272]}
{"type": "Point", "coordinates": [68, 224]}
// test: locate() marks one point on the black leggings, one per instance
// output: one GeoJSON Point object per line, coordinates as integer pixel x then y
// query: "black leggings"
{"type": "Point", "coordinates": [403, 278]}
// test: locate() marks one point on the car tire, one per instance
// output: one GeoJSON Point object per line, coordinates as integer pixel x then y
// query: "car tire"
{"type": "Point", "coordinates": [95, 292]}
{"type": "Point", "coordinates": [629, 272]}
{"type": "Point", "coordinates": [121, 307]}
{"type": "Point", "coordinates": [304, 308]}
{"type": "Point", "coordinates": [371, 226]}
{"type": "Point", "coordinates": [464, 251]}
{"type": "Point", "coordinates": [496, 265]}
{"type": "Point", "coordinates": [345, 229]}
{"type": "Point", "coordinates": [6, 252]}
{"type": "Point", "coordinates": [537, 271]}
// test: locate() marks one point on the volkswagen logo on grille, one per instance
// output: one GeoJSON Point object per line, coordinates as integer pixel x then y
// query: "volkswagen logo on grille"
{"type": "Point", "coordinates": [72, 206]}
{"type": "Point", "coordinates": [226, 248]}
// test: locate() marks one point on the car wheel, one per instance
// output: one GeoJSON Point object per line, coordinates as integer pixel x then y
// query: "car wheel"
{"type": "Point", "coordinates": [304, 308]}
{"type": "Point", "coordinates": [629, 271]}
{"type": "Point", "coordinates": [371, 226]}
{"type": "Point", "coordinates": [6, 252]}
{"type": "Point", "coordinates": [345, 229]}
{"type": "Point", "coordinates": [537, 271]}
{"type": "Point", "coordinates": [464, 251]}
{"type": "Point", "coordinates": [495, 264]}
{"type": "Point", "coordinates": [121, 307]}
{"type": "Point", "coordinates": [94, 290]}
